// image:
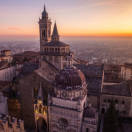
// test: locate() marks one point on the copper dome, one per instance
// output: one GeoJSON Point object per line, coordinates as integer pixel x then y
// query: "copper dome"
{"type": "Point", "coordinates": [70, 78]}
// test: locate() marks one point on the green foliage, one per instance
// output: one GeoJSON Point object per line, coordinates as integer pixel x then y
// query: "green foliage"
{"type": "Point", "coordinates": [111, 119]}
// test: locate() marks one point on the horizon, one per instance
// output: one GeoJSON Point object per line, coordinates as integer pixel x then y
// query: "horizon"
{"type": "Point", "coordinates": [87, 18]}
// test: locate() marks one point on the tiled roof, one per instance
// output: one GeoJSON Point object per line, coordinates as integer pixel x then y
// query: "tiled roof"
{"type": "Point", "coordinates": [56, 44]}
{"type": "Point", "coordinates": [93, 74]}
{"type": "Point", "coordinates": [70, 78]}
{"type": "Point", "coordinates": [3, 64]}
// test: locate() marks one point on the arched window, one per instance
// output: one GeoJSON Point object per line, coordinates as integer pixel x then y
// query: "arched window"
{"type": "Point", "coordinates": [43, 34]}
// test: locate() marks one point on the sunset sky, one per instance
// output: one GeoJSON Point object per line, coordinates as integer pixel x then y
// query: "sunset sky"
{"type": "Point", "coordinates": [73, 17]}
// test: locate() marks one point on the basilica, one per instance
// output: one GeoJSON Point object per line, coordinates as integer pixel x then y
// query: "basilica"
{"type": "Point", "coordinates": [68, 108]}
{"type": "Point", "coordinates": [51, 48]}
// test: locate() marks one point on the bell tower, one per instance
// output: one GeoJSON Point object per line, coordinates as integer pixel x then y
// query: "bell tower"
{"type": "Point", "coordinates": [44, 29]}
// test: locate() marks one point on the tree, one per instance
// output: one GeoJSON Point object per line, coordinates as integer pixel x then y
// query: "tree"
{"type": "Point", "coordinates": [111, 119]}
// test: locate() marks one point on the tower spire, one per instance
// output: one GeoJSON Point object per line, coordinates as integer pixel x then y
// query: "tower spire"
{"type": "Point", "coordinates": [55, 35]}
{"type": "Point", "coordinates": [44, 8]}
{"type": "Point", "coordinates": [40, 92]}
{"type": "Point", "coordinates": [44, 13]}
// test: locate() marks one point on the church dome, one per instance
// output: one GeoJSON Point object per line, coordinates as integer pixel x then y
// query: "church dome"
{"type": "Point", "coordinates": [70, 79]}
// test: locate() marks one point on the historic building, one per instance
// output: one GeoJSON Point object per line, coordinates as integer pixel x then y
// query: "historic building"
{"type": "Point", "coordinates": [126, 71]}
{"type": "Point", "coordinates": [67, 104]}
{"type": "Point", "coordinates": [11, 124]}
{"type": "Point", "coordinates": [117, 87]}
{"type": "Point", "coordinates": [3, 104]}
{"type": "Point", "coordinates": [52, 49]}
{"type": "Point", "coordinates": [6, 56]}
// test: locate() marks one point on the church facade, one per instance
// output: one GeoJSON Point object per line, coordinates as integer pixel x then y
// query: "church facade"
{"type": "Point", "coordinates": [68, 108]}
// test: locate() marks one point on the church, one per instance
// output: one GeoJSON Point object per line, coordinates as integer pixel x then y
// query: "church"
{"type": "Point", "coordinates": [51, 48]}
{"type": "Point", "coordinates": [68, 108]}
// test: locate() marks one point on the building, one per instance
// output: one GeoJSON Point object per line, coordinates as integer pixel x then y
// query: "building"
{"type": "Point", "coordinates": [68, 109]}
{"type": "Point", "coordinates": [63, 86]}
{"type": "Point", "coordinates": [126, 71]}
{"type": "Point", "coordinates": [11, 124]}
{"type": "Point", "coordinates": [52, 49]}
{"type": "Point", "coordinates": [116, 88]}
{"type": "Point", "coordinates": [6, 55]}
{"type": "Point", "coordinates": [3, 104]}
{"type": "Point", "coordinates": [8, 73]}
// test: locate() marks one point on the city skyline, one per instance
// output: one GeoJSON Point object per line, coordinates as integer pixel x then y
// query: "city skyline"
{"type": "Point", "coordinates": [74, 18]}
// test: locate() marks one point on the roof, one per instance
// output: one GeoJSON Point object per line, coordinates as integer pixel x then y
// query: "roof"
{"type": "Point", "coordinates": [91, 70]}
{"type": "Point", "coordinates": [128, 65]}
{"type": "Point", "coordinates": [121, 89]}
{"type": "Point", "coordinates": [28, 68]}
{"type": "Point", "coordinates": [3, 65]}
{"type": "Point", "coordinates": [25, 56]}
{"type": "Point", "coordinates": [93, 74]}
{"type": "Point", "coordinates": [70, 78]}
{"type": "Point", "coordinates": [112, 73]}
{"type": "Point", "coordinates": [56, 44]}
{"type": "Point", "coordinates": [55, 35]}
{"type": "Point", "coordinates": [94, 85]}
{"type": "Point", "coordinates": [112, 67]}
{"type": "Point", "coordinates": [5, 50]}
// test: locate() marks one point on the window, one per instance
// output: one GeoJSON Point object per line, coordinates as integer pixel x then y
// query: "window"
{"type": "Point", "coordinates": [87, 129]}
{"type": "Point", "coordinates": [43, 34]}
{"type": "Point", "coordinates": [123, 102]}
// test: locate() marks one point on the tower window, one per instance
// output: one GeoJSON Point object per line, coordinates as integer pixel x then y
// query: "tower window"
{"type": "Point", "coordinates": [43, 34]}
{"type": "Point", "coordinates": [49, 33]}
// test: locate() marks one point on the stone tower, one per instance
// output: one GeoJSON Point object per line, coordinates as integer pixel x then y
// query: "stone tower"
{"type": "Point", "coordinates": [56, 52]}
{"type": "Point", "coordinates": [44, 28]}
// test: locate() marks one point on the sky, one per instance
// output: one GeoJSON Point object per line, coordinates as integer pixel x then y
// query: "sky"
{"type": "Point", "coordinates": [73, 17]}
